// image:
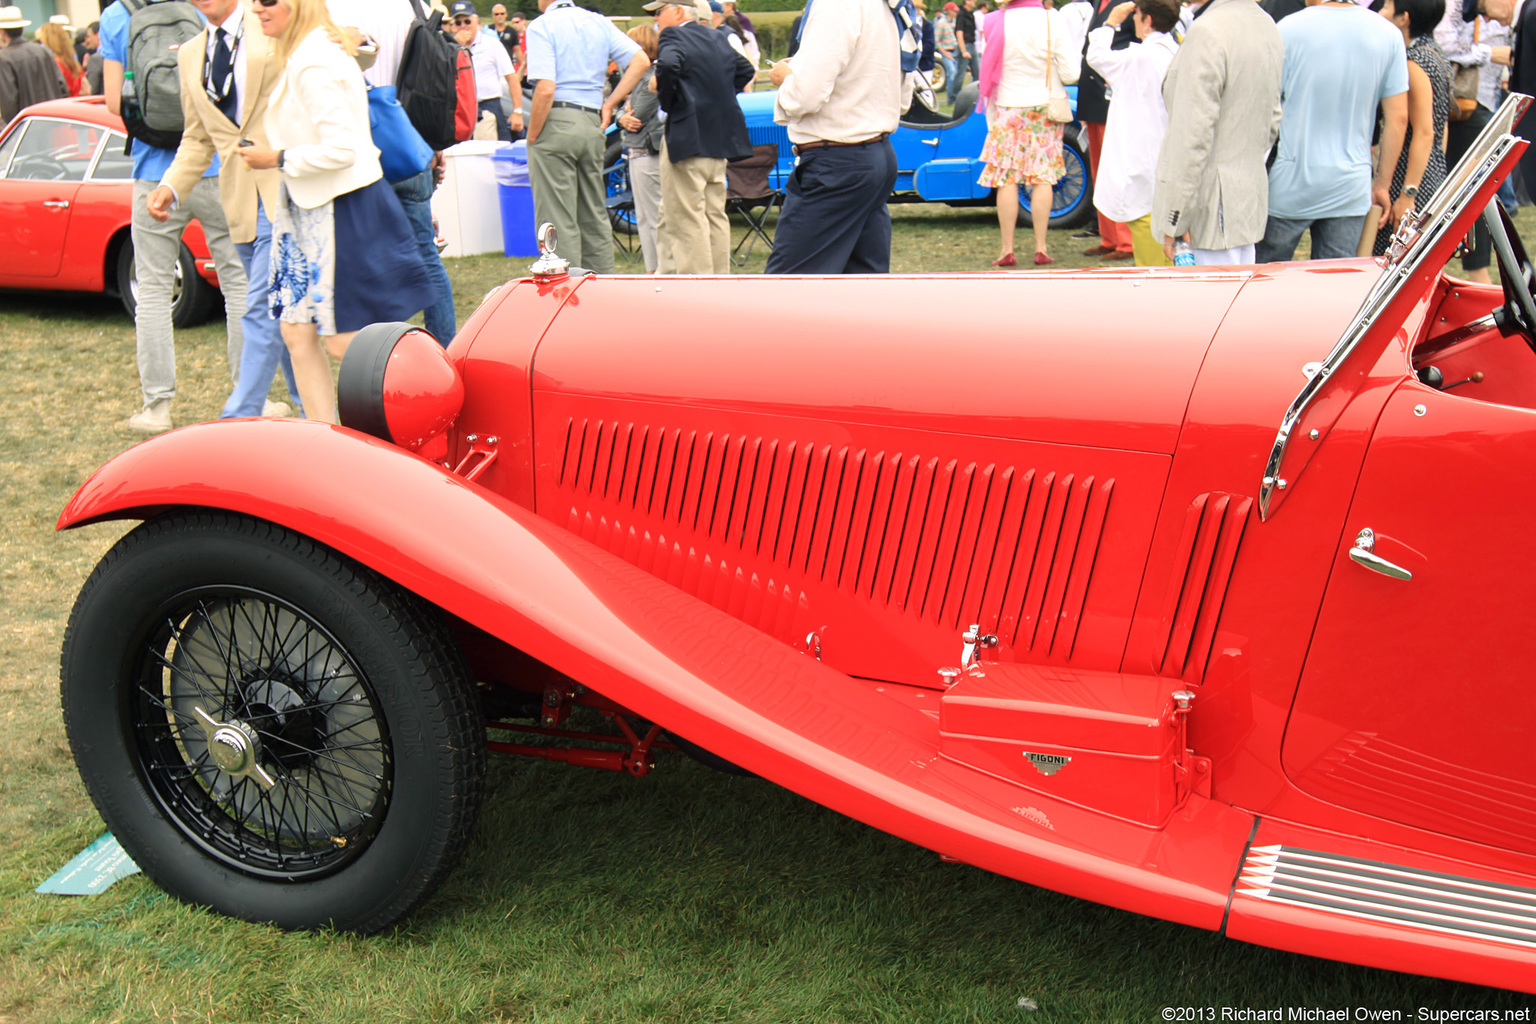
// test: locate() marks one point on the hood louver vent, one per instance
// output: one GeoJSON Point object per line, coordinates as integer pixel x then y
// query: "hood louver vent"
{"type": "Point", "coordinates": [1213, 531]}
{"type": "Point", "coordinates": [946, 541]}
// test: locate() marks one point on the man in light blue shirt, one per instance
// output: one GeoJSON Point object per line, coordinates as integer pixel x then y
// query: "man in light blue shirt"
{"type": "Point", "coordinates": [1339, 66]}
{"type": "Point", "coordinates": [568, 53]}
{"type": "Point", "coordinates": [157, 249]}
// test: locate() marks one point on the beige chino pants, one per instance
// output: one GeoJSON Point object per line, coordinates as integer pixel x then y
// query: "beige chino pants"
{"type": "Point", "coordinates": [694, 236]}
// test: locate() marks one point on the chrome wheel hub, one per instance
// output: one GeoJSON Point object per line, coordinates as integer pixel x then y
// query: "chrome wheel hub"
{"type": "Point", "coordinates": [235, 748]}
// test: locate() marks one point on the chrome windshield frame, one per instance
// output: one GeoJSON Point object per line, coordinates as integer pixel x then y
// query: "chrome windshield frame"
{"type": "Point", "coordinates": [1413, 242]}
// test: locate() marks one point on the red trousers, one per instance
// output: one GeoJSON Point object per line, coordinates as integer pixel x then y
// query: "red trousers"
{"type": "Point", "coordinates": [1111, 232]}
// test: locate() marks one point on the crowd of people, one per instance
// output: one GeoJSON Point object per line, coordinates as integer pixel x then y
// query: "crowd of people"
{"type": "Point", "coordinates": [1231, 128]}
{"type": "Point", "coordinates": [1222, 131]}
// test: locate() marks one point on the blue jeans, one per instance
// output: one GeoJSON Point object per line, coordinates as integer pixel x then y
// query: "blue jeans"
{"type": "Point", "coordinates": [1333, 238]}
{"type": "Point", "coordinates": [264, 350]}
{"type": "Point", "coordinates": [416, 197]}
{"type": "Point", "coordinates": [951, 76]}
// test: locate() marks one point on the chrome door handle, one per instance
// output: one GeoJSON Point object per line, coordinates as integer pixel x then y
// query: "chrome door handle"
{"type": "Point", "coordinates": [56, 204]}
{"type": "Point", "coordinates": [934, 142]}
{"type": "Point", "coordinates": [1364, 553]}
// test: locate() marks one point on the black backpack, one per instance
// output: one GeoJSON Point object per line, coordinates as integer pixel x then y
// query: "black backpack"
{"type": "Point", "coordinates": [156, 31]}
{"type": "Point", "coordinates": [426, 81]}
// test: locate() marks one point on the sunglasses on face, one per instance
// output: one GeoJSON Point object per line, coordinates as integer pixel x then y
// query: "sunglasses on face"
{"type": "Point", "coordinates": [269, 3]}
{"type": "Point", "coordinates": [456, 21]}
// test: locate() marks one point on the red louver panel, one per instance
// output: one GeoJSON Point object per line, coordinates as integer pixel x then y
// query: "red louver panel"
{"type": "Point", "coordinates": [887, 552]}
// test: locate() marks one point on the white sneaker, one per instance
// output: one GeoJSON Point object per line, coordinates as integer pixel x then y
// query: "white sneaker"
{"type": "Point", "coordinates": [154, 418]}
{"type": "Point", "coordinates": [271, 408]}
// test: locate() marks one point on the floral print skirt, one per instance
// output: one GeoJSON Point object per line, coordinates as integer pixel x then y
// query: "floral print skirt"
{"type": "Point", "coordinates": [348, 263]}
{"type": "Point", "coordinates": [304, 265]}
{"type": "Point", "coordinates": [1023, 147]}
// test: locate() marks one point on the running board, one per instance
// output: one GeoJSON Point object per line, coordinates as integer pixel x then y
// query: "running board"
{"type": "Point", "coordinates": [1429, 900]}
{"type": "Point", "coordinates": [1365, 902]}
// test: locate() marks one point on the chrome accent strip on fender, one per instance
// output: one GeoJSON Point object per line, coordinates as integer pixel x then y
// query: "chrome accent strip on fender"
{"type": "Point", "coordinates": [1390, 894]}
{"type": "Point", "coordinates": [1419, 236]}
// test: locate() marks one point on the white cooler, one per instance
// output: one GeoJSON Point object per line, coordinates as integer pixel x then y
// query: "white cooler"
{"type": "Point", "coordinates": [467, 205]}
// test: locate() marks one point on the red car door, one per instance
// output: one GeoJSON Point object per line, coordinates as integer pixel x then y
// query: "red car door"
{"type": "Point", "coordinates": [1416, 701]}
{"type": "Point", "coordinates": [38, 195]}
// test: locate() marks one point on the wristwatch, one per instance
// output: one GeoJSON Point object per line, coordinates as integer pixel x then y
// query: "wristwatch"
{"type": "Point", "coordinates": [1411, 191]}
{"type": "Point", "coordinates": [280, 159]}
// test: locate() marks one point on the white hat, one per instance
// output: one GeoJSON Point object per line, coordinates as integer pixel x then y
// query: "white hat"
{"type": "Point", "coordinates": [60, 19]}
{"type": "Point", "coordinates": [10, 17]}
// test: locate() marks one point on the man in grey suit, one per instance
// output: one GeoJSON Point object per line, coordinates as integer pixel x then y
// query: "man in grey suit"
{"type": "Point", "coordinates": [1223, 97]}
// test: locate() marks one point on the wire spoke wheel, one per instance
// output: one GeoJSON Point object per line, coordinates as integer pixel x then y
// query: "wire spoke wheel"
{"type": "Point", "coordinates": [269, 728]}
{"type": "Point", "coordinates": [287, 696]}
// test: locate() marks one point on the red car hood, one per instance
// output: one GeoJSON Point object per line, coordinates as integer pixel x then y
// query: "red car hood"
{"type": "Point", "coordinates": [1088, 358]}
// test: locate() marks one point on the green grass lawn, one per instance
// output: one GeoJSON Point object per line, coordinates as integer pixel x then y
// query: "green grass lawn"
{"type": "Point", "coordinates": [586, 896]}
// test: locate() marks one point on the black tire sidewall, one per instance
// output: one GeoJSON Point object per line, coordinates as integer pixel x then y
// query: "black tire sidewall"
{"type": "Point", "coordinates": [163, 559]}
{"type": "Point", "coordinates": [190, 308]}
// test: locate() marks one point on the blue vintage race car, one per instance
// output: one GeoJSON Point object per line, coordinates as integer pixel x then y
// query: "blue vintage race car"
{"type": "Point", "coordinates": [938, 159]}
{"type": "Point", "coordinates": [938, 156]}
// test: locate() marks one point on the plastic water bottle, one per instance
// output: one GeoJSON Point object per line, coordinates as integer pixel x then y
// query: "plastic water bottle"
{"type": "Point", "coordinates": [130, 102]}
{"type": "Point", "coordinates": [1183, 255]}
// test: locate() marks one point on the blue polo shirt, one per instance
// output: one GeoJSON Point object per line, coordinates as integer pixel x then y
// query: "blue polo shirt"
{"type": "Point", "coordinates": [149, 162]}
{"type": "Point", "coordinates": [572, 47]}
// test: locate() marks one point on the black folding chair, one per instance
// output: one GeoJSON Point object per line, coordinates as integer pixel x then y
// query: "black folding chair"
{"type": "Point", "coordinates": [620, 202]}
{"type": "Point", "coordinates": [748, 193]}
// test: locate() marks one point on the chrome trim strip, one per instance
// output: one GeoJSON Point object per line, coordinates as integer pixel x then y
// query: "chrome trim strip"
{"type": "Point", "coordinates": [1392, 894]}
{"type": "Point", "coordinates": [1421, 233]}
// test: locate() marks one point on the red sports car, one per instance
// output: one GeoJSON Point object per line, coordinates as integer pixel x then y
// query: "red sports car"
{"type": "Point", "coordinates": [66, 203]}
{"type": "Point", "coordinates": [1212, 605]}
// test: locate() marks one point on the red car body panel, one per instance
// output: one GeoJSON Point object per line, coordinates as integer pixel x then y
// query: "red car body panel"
{"type": "Point", "coordinates": [68, 247]}
{"type": "Point", "coordinates": [672, 658]}
{"type": "Point", "coordinates": [764, 518]}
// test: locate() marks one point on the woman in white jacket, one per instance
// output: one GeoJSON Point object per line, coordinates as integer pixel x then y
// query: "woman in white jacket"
{"type": "Point", "coordinates": [336, 205]}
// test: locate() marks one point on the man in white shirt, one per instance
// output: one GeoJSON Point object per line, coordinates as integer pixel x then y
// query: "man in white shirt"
{"type": "Point", "coordinates": [840, 97]}
{"type": "Point", "coordinates": [385, 24]}
{"type": "Point", "coordinates": [492, 67]}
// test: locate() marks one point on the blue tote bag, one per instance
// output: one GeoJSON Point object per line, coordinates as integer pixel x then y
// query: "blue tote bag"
{"type": "Point", "coordinates": [402, 151]}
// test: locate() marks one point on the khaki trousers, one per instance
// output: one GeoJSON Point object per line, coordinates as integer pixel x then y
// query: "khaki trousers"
{"type": "Point", "coordinates": [565, 167]}
{"type": "Point", "coordinates": [694, 236]}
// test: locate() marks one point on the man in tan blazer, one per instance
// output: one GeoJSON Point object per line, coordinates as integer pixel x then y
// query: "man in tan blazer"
{"type": "Point", "coordinates": [1223, 97]}
{"type": "Point", "coordinates": [227, 74]}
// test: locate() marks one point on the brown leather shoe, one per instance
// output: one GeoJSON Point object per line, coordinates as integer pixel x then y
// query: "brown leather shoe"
{"type": "Point", "coordinates": [1117, 254]}
{"type": "Point", "coordinates": [1099, 250]}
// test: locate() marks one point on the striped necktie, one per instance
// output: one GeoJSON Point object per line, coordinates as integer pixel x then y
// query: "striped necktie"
{"type": "Point", "coordinates": [221, 78]}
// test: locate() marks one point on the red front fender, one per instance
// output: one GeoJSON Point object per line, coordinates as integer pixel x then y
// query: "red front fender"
{"type": "Point", "coordinates": [668, 656]}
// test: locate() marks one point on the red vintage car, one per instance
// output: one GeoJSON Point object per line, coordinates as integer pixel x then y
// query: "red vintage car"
{"type": "Point", "coordinates": [1210, 605]}
{"type": "Point", "coordinates": [66, 204]}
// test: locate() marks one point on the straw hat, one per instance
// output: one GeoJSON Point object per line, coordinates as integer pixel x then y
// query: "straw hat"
{"type": "Point", "coordinates": [10, 17]}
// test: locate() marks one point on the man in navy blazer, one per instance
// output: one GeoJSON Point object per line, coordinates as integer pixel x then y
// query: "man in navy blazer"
{"type": "Point", "coordinates": [697, 78]}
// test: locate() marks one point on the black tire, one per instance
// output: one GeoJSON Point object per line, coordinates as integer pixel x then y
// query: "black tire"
{"type": "Point", "coordinates": [350, 693]}
{"type": "Point", "coordinates": [191, 303]}
{"type": "Point", "coordinates": [1073, 196]}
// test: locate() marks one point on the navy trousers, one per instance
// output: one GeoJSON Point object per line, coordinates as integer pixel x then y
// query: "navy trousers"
{"type": "Point", "coordinates": [835, 219]}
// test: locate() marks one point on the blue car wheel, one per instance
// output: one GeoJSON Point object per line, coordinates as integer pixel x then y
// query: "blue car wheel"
{"type": "Point", "coordinates": [1072, 203]}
